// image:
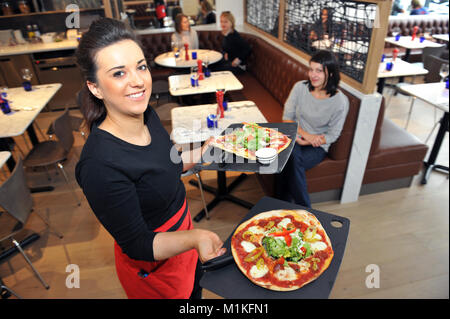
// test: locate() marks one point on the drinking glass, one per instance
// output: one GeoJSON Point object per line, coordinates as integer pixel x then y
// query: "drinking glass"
{"type": "Point", "coordinates": [443, 72]}
{"type": "Point", "coordinates": [27, 76]}
{"type": "Point", "coordinates": [395, 32]}
{"type": "Point", "coordinates": [175, 48]}
{"type": "Point", "coordinates": [194, 76]}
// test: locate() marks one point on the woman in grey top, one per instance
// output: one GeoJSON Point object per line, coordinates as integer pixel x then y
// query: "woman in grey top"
{"type": "Point", "coordinates": [320, 110]}
{"type": "Point", "coordinates": [183, 33]}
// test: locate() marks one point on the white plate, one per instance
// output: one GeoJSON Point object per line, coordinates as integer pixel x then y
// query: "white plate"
{"type": "Point", "coordinates": [266, 153]}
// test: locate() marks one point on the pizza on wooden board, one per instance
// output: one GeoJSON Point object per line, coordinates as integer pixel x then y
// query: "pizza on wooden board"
{"type": "Point", "coordinates": [282, 250]}
{"type": "Point", "coordinates": [246, 140]}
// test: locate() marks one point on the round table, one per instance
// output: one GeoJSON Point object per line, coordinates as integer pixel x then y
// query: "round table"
{"type": "Point", "coordinates": [168, 59]}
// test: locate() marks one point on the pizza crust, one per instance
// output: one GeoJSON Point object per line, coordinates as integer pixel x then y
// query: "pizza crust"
{"type": "Point", "coordinates": [302, 215]}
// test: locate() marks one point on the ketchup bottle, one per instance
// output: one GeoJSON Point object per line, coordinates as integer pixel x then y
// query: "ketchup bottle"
{"type": "Point", "coordinates": [186, 49]}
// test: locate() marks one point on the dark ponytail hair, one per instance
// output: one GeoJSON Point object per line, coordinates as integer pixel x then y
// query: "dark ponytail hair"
{"type": "Point", "coordinates": [330, 65]}
{"type": "Point", "coordinates": [102, 33]}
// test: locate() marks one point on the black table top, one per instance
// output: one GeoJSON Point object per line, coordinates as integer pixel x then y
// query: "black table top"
{"type": "Point", "coordinates": [224, 161]}
{"type": "Point", "coordinates": [230, 282]}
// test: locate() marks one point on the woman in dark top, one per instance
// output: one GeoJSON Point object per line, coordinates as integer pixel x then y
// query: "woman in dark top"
{"type": "Point", "coordinates": [130, 171]}
{"type": "Point", "coordinates": [208, 13]}
{"type": "Point", "coordinates": [235, 49]}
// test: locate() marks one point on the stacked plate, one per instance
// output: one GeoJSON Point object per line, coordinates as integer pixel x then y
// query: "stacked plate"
{"type": "Point", "coordinates": [266, 155]}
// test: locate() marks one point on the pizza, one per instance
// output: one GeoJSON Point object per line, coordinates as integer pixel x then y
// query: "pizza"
{"type": "Point", "coordinates": [282, 250]}
{"type": "Point", "coordinates": [246, 140]}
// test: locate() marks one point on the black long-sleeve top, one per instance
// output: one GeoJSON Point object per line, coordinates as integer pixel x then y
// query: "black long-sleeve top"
{"type": "Point", "coordinates": [132, 189]}
{"type": "Point", "coordinates": [236, 47]}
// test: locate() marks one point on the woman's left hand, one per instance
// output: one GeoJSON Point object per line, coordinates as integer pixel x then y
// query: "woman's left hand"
{"type": "Point", "coordinates": [206, 144]}
{"type": "Point", "coordinates": [235, 62]}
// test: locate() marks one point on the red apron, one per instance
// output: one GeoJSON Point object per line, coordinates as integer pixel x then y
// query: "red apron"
{"type": "Point", "coordinates": [172, 278]}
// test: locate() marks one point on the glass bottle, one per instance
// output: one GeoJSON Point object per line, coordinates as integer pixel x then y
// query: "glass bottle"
{"type": "Point", "coordinates": [36, 31]}
{"type": "Point", "coordinates": [30, 32]}
{"type": "Point", "coordinates": [7, 8]}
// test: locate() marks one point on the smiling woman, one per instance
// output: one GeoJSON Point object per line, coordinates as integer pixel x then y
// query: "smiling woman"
{"type": "Point", "coordinates": [127, 175]}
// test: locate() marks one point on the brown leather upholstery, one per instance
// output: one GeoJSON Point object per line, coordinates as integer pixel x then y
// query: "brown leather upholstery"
{"type": "Point", "coordinates": [437, 23]}
{"type": "Point", "coordinates": [268, 81]}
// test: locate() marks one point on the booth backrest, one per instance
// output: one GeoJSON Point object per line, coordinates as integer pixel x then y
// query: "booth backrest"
{"type": "Point", "coordinates": [438, 23]}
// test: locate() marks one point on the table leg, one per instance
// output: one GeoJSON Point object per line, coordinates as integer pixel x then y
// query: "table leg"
{"type": "Point", "coordinates": [222, 192]}
{"type": "Point", "coordinates": [380, 85]}
{"type": "Point", "coordinates": [32, 134]}
{"type": "Point", "coordinates": [430, 164]}
{"type": "Point", "coordinates": [405, 58]}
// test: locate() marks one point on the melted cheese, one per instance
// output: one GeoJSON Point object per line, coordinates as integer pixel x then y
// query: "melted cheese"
{"type": "Point", "coordinates": [318, 245]}
{"type": "Point", "coordinates": [284, 222]}
{"type": "Point", "coordinates": [248, 247]}
{"type": "Point", "coordinates": [304, 266]}
{"type": "Point", "coordinates": [258, 273]}
{"type": "Point", "coordinates": [287, 273]}
{"type": "Point", "coordinates": [256, 230]}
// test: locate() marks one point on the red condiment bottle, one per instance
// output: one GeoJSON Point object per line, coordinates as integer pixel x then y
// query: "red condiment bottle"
{"type": "Point", "coordinates": [186, 50]}
{"type": "Point", "coordinates": [394, 54]}
{"type": "Point", "coordinates": [200, 69]}
{"type": "Point", "coordinates": [416, 28]}
{"type": "Point", "coordinates": [219, 99]}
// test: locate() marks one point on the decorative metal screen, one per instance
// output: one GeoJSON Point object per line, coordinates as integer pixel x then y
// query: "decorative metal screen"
{"type": "Point", "coordinates": [263, 14]}
{"type": "Point", "coordinates": [343, 27]}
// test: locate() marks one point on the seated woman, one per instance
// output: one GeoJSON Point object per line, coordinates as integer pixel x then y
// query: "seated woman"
{"type": "Point", "coordinates": [235, 48]}
{"type": "Point", "coordinates": [183, 32]}
{"type": "Point", "coordinates": [320, 110]}
{"type": "Point", "coordinates": [417, 8]}
{"type": "Point", "coordinates": [208, 13]}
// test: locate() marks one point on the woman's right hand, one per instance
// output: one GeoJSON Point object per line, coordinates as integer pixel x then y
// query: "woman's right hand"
{"type": "Point", "coordinates": [208, 245]}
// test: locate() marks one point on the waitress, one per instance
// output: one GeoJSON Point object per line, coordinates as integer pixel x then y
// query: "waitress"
{"type": "Point", "coordinates": [130, 171]}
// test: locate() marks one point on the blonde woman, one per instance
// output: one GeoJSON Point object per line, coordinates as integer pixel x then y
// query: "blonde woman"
{"type": "Point", "coordinates": [235, 49]}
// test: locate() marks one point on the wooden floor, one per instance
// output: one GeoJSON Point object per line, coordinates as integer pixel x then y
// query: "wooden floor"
{"type": "Point", "coordinates": [404, 232]}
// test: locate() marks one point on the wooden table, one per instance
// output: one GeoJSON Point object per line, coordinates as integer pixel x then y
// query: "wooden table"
{"type": "Point", "coordinates": [168, 59]}
{"type": "Point", "coordinates": [401, 69]}
{"type": "Point", "coordinates": [180, 85]}
{"type": "Point", "coordinates": [437, 95]}
{"type": "Point", "coordinates": [189, 126]}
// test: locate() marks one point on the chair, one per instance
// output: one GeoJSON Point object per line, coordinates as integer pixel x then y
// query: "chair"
{"type": "Point", "coordinates": [54, 152]}
{"type": "Point", "coordinates": [6, 292]}
{"type": "Point", "coordinates": [15, 198]}
{"type": "Point", "coordinates": [164, 112]}
{"type": "Point", "coordinates": [160, 87]}
{"type": "Point", "coordinates": [200, 186]}
{"type": "Point", "coordinates": [75, 121]}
